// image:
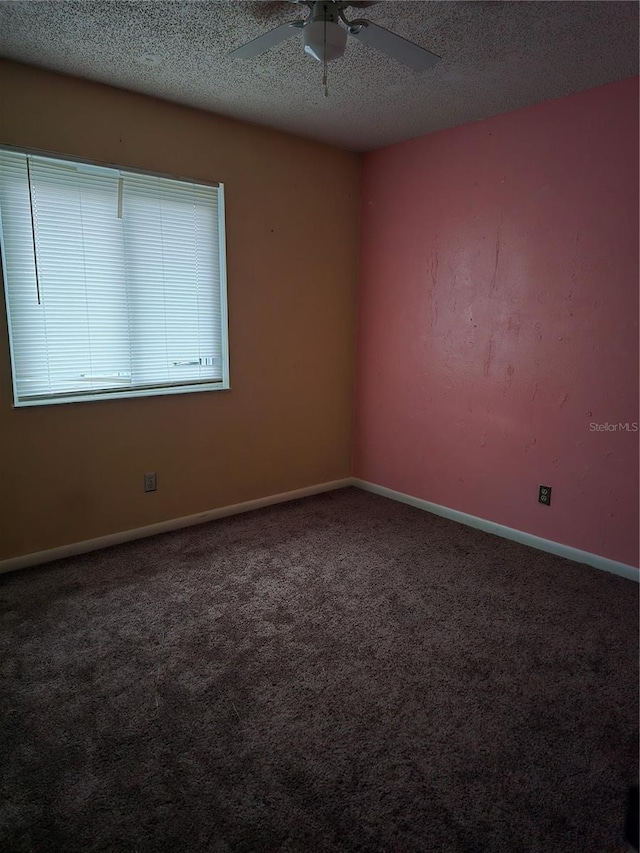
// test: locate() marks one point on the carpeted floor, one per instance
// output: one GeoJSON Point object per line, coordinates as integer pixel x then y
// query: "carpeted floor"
{"type": "Point", "coordinates": [343, 673]}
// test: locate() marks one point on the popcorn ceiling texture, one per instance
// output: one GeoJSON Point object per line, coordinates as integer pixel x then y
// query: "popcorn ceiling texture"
{"type": "Point", "coordinates": [496, 57]}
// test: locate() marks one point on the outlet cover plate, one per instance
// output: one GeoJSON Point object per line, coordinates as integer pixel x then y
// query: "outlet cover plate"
{"type": "Point", "coordinates": [544, 495]}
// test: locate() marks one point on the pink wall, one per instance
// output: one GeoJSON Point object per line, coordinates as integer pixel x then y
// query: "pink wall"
{"type": "Point", "coordinates": [498, 318]}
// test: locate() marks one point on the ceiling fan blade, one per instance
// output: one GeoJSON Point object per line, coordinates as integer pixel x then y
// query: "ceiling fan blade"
{"type": "Point", "coordinates": [393, 45]}
{"type": "Point", "coordinates": [267, 40]}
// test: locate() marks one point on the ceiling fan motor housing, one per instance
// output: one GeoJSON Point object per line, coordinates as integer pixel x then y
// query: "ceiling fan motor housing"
{"type": "Point", "coordinates": [324, 38]}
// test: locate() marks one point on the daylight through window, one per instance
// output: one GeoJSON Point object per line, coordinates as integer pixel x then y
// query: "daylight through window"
{"type": "Point", "coordinates": [115, 281]}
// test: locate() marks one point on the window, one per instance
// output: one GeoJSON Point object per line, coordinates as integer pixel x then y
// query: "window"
{"type": "Point", "coordinates": [114, 281]}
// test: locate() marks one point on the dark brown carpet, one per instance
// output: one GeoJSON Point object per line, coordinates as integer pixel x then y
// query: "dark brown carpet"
{"type": "Point", "coordinates": [343, 673]}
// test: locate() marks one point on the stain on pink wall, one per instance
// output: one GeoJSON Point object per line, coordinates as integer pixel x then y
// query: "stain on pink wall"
{"type": "Point", "coordinates": [498, 319]}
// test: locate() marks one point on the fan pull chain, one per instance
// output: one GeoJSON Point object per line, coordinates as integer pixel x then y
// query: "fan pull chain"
{"type": "Point", "coordinates": [324, 58]}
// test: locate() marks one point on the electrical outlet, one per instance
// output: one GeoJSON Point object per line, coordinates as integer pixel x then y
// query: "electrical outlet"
{"type": "Point", "coordinates": [150, 482]}
{"type": "Point", "coordinates": [544, 495]}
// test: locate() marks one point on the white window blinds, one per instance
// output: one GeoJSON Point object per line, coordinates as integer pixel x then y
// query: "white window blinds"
{"type": "Point", "coordinates": [114, 281]}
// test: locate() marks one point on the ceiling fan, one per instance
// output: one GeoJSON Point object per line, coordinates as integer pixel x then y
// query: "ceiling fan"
{"type": "Point", "coordinates": [324, 34]}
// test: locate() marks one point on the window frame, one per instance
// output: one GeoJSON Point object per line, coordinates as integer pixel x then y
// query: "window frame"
{"type": "Point", "coordinates": [142, 391]}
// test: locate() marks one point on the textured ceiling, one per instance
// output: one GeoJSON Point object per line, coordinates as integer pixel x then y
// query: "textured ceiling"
{"type": "Point", "coordinates": [496, 57]}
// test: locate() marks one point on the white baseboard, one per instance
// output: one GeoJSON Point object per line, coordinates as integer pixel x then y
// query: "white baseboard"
{"type": "Point", "coordinates": [39, 557]}
{"type": "Point", "coordinates": [529, 539]}
{"type": "Point", "coordinates": [575, 554]}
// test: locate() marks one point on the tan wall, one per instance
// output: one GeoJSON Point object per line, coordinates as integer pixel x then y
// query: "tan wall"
{"type": "Point", "coordinates": [73, 472]}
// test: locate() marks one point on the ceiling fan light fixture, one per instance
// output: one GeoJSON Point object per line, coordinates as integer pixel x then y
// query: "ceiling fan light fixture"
{"type": "Point", "coordinates": [324, 40]}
